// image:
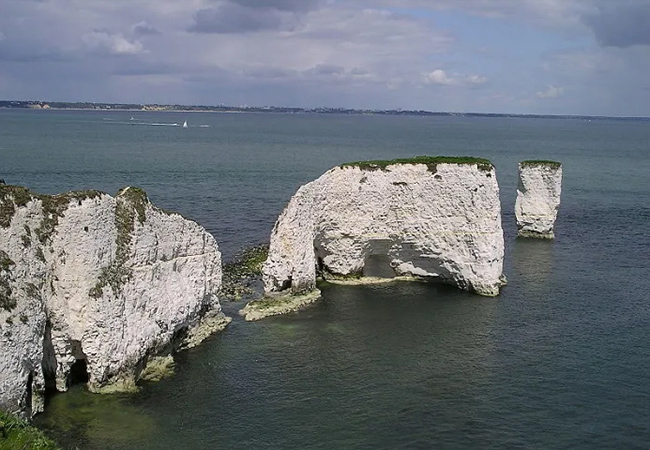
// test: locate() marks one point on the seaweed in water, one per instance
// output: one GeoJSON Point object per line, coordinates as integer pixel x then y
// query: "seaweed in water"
{"type": "Point", "coordinates": [241, 274]}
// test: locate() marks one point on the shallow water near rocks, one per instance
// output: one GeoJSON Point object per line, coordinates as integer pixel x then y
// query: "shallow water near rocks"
{"type": "Point", "coordinates": [559, 360]}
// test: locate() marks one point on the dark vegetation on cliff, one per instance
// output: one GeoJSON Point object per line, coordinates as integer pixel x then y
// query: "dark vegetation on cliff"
{"type": "Point", "coordinates": [430, 161]}
{"type": "Point", "coordinates": [16, 434]}
{"type": "Point", "coordinates": [540, 162]}
{"type": "Point", "coordinates": [13, 197]}
{"type": "Point", "coordinates": [130, 202]}
{"type": "Point", "coordinates": [7, 302]}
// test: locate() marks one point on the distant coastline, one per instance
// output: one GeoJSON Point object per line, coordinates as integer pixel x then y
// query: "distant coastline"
{"type": "Point", "coordinates": [132, 107]}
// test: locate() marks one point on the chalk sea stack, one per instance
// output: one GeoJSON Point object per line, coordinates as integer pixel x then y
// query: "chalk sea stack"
{"type": "Point", "coordinates": [98, 287]}
{"type": "Point", "coordinates": [538, 198]}
{"type": "Point", "coordinates": [429, 218]}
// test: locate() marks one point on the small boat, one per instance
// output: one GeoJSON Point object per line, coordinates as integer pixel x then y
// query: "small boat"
{"type": "Point", "coordinates": [185, 124]}
{"type": "Point", "coordinates": [132, 118]}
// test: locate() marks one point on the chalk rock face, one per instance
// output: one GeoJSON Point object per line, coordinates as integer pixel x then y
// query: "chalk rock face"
{"type": "Point", "coordinates": [105, 282]}
{"type": "Point", "coordinates": [538, 198]}
{"type": "Point", "coordinates": [421, 217]}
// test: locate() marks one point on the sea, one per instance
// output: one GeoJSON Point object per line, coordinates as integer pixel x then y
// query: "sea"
{"type": "Point", "coordinates": [560, 360]}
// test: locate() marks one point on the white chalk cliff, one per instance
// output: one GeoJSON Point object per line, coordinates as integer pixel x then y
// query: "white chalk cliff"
{"type": "Point", "coordinates": [431, 218]}
{"type": "Point", "coordinates": [112, 282]}
{"type": "Point", "coordinates": [538, 198]}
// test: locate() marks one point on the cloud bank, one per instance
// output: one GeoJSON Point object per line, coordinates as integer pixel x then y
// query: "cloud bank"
{"type": "Point", "coordinates": [587, 56]}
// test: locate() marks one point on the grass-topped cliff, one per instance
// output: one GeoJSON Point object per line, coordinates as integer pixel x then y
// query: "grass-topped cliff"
{"type": "Point", "coordinates": [540, 162]}
{"type": "Point", "coordinates": [430, 161]}
{"type": "Point", "coordinates": [16, 434]}
{"type": "Point", "coordinates": [13, 197]}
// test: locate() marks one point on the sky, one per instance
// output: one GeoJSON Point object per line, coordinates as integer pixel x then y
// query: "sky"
{"type": "Point", "coordinates": [504, 56]}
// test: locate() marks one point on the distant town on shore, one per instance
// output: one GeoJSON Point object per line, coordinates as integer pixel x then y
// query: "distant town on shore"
{"type": "Point", "coordinates": [100, 106]}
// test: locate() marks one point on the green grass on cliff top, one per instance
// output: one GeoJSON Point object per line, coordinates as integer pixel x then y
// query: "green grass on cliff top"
{"type": "Point", "coordinates": [16, 434]}
{"type": "Point", "coordinates": [429, 161]}
{"type": "Point", "coordinates": [540, 162]}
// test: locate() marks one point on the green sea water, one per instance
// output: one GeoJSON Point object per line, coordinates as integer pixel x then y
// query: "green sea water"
{"type": "Point", "coordinates": [559, 360]}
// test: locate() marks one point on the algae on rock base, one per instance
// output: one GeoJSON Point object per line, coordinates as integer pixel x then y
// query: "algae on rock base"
{"type": "Point", "coordinates": [158, 368]}
{"type": "Point", "coordinates": [17, 434]}
{"type": "Point", "coordinates": [278, 304]}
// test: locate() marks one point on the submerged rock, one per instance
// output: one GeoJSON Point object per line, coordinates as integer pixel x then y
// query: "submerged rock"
{"type": "Point", "coordinates": [275, 305]}
{"type": "Point", "coordinates": [241, 276]}
{"type": "Point", "coordinates": [538, 198]}
{"type": "Point", "coordinates": [93, 287]}
{"type": "Point", "coordinates": [431, 218]}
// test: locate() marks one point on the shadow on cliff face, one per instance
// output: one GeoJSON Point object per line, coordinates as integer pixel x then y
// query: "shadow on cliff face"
{"type": "Point", "coordinates": [49, 360]}
{"type": "Point", "coordinates": [78, 371]}
{"type": "Point", "coordinates": [376, 260]}
{"type": "Point", "coordinates": [378, 266]}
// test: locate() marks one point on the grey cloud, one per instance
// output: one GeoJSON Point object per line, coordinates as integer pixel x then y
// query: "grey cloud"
{"type": "Point", "coordinates": [327, 69]}
{"type": "Point", "coordinates": [359, 71]}
{"type": "Point", "coordinates": [442, 78]}
{"type": "Point", "coordinates": [281, 5]}
{"type": "Point", "coordinates": [621, 24]}
{"type": "Point", "coordinates": [328, 34]}
{"type": "Point", "coordinates": [234, 18]}
{"type": "Point", "coordinates": [32, 53]}
{"type": "Point", "coordinates": [104, 42]}
{"type": "Point", "coordinates": [142, 28]}
{"type": "Point", "coordinates": [267, 72]}
{"type": "Point", "coordinates": [148, 68]}
{"type": "Point", "coordinates": [551, 92]}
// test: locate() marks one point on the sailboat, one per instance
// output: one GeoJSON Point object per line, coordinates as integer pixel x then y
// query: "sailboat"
{"type": "Point", "coordinates": [185, 124]}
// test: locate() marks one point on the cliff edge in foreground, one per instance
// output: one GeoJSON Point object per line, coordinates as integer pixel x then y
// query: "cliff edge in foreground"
{"type": "Point", "coordinates": [95, 287]}
{"type": "Point", "coordinates": [434, 218]}
{"type": "Point", "coordinates": [538, 198]}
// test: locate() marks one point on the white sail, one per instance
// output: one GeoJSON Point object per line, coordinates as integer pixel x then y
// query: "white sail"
{"type": "Point", "coordinates": [185, 124]}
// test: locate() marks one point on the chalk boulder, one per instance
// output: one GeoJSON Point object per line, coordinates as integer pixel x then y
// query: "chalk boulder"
{"type": "Point", "coordinates": [97, 285]}
{"type": "Point", "coordinates": [538, 198]}
{"type": "Point", "coordinates": [432, 218]}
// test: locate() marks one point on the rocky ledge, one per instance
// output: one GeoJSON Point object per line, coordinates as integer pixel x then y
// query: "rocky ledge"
{"type": "Point", "coordinates": [94, 287]}
{"type": "Point", "coordinates": [275, 305]}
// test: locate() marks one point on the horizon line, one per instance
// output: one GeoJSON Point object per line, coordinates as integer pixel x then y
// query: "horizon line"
{"type": "Point", "coordinates": [270, 108]}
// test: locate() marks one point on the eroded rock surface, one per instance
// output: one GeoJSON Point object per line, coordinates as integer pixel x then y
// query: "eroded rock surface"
{"type": "Point", "coordinates": [538, 198]}
{"type": "Point", "coordinates": [431, 218]}
{"type": "Point", "coordinates": [97, 285]}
